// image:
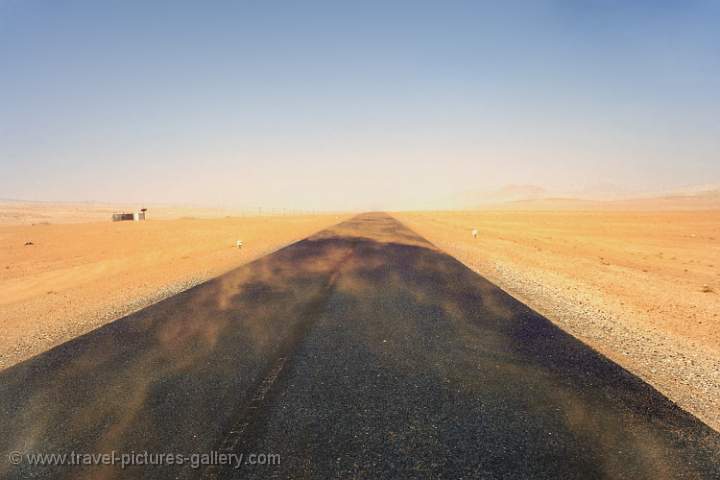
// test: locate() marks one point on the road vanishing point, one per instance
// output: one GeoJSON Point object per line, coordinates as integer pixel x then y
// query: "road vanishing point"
{"type": "Point", "coordinates": [360, 352]}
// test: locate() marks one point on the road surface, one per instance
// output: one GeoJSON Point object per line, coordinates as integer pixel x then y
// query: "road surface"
{"type": "Point", "coordinates": [360, 352]}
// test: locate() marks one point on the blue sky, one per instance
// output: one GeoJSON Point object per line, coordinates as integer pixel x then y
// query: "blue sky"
{"type": "Point", "coordinates": [353, 104]}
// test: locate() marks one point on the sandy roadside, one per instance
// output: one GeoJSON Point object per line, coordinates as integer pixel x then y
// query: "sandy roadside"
{"type": "Point", "coordinates": [642, 288]}
{"type": "Point", "coordinates": [75, 277]}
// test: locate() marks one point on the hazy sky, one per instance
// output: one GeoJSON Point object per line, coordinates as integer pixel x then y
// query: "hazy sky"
{"type": "Point", "coordinates": [358, 104]}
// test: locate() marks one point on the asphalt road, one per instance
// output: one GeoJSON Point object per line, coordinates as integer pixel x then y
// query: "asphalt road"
{"type": "Point", "coordinates": [360, 352]}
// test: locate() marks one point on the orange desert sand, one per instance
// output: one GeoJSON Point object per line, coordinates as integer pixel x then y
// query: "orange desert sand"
{"type": "Point", "coordinates": [78, 276]}
{"type": "Point", "coordinates": [643, 288]}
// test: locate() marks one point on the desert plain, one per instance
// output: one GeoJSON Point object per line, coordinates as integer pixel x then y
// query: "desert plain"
{"type": "Point", "coordinates": [641, 287]}
{"type": "Point", "coordinates": [61, 280]}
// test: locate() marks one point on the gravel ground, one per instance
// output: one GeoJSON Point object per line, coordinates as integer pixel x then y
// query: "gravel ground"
{"type": "Point", "coordinates": [44, 336]}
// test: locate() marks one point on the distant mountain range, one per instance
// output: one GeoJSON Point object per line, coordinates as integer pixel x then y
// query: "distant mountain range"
{"type": "Point", "coordinates": [514, 197]}
{"type": "Point", "coordinates": [533, 197]}
{"type": "Point", "coordinates": [508, 193]}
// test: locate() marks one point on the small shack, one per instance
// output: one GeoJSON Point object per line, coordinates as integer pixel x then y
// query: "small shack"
{"type": "Point", "coordinates": [119, 217]}
{"type": "Point", "coordinates": [130, 216]}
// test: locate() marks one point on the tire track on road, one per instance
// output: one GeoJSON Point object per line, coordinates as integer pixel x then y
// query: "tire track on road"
{"type": "Point", "coordinates": [239, 437]}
